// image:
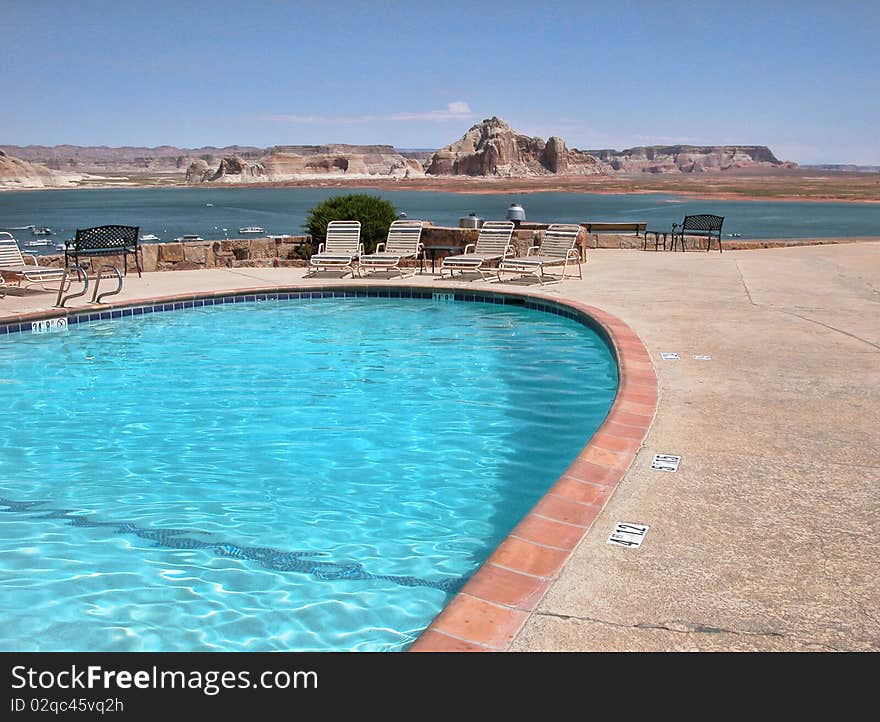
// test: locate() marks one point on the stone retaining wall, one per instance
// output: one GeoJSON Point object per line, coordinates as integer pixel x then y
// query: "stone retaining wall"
{"type": "Point", "coordinates": [268, 252]}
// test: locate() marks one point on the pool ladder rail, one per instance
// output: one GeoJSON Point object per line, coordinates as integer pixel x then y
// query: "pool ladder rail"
{"type": "Point", "coordinates": [83, 277]}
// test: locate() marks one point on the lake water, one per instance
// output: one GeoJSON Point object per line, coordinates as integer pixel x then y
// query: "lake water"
{"type": "Point", "coordinates": [172, 212]}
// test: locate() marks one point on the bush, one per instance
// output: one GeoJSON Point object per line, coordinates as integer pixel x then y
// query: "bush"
{"type": "Point", "coordinates": [375, 214]}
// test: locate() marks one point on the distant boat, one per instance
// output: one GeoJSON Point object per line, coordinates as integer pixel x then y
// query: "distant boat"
{"type": "Point", "coordinates": [190, 237]}
{"type": "Point", "coordinates": [209, 205]}
{"type": "Point", "coordinates": [251, 229]}
{"type": "Point", "coordinates": [41, 231]}
{"type": "Point", "coordinates": [150, 237]}
{"type": "Point", "coordinates": [38, 244]}
{"type": "Point", "coordinates": [734, 235]}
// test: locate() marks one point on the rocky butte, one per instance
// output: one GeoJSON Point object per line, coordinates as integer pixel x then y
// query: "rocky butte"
{"type": "Point", "coordinates": [493, 148]}
{"type": "Point", "coordinates": [17, 173]}
{"type": "Point", "coordinates": [125, 159]}
{"type": "Point", "coordinates": [303, 162]}
{"type": "Point", "coordinates": [489, 149]}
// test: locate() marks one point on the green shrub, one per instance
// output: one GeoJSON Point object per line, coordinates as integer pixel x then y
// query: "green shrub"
{"type": "Point", "coordinates": [374, 213]}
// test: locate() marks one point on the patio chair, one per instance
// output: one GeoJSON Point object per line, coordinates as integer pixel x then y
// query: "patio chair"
{"type": "Point", "coordinates": [706, 225]}
{"type": "Point", "coordinates": [556, 249]}
{"type": "Point", "coordinates": [340, 250]}
{"type": "Point", "coordinates": [493, 244]}
{"type": "Point", "coordinates": [12, 263]}
{"type": "Point", "coordinates": [404, 241]}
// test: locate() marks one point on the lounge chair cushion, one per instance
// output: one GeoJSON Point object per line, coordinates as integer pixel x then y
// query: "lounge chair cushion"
{"type": "Point", "coordinates": [330, 258]}
{"type": "Point", "coordinates": [27, 270]}
{"type": "Point", "coordinates": [532, 261]}
{"type": "Point", "coordinates": [381, 258]}
{"type": "Point", "coordinates": [468, 259]}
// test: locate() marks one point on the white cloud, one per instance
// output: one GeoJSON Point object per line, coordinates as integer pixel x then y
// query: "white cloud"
{"type": "Point", "coordinates": [457, 110]}
{"type": "Point", "coordinates": [454, 111]}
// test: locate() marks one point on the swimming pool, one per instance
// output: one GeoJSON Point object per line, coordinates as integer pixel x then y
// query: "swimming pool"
{"type": "Point", "coordinates": [310, 475]}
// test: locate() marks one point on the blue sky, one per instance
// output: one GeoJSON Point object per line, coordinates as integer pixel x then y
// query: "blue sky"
{"type": "Point", "coordinates": [801, 77]}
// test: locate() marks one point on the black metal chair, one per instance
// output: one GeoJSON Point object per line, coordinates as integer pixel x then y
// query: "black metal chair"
{"type": "Point", "coordinates": [105, 241]}
{"type": "Point", "coordinates": [705, 225]}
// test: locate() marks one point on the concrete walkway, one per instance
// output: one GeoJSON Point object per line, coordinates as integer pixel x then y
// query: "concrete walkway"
{"type": "Point", "coordinates": [767, 536]}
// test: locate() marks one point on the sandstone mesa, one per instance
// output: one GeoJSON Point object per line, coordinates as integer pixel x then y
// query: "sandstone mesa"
{"type": "Point", "coordinates": [489, 149]}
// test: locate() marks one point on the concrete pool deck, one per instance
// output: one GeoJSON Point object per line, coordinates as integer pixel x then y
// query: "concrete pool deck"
{"type": "Point", "coordinates": [766, 538]}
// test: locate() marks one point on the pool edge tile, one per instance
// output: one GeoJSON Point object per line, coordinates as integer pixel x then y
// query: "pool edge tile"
{"type": "Point", "coordinates": [581, 492]}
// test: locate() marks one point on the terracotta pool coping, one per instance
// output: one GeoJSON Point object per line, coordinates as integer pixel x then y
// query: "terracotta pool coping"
{"type": "Point", "coordinates": [489, 611]}
{"type": "Point", "coordinates": [492, 607]}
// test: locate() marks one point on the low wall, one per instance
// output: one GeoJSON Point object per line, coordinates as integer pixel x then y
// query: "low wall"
{"type": "Point", "coordinates": [269, 252]}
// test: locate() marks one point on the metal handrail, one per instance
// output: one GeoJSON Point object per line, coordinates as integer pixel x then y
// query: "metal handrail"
{"type": "Point", "coordinates": [98, 276]}
{"type": "Point", "coordinates": [65, 284]}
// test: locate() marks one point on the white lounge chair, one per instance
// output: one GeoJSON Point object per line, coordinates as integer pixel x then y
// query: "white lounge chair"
{"type": "Point", "coordinates": [404, 241]}
{"type": "Point", "coordinates": [12, 263]}
{"type": "Point", "coordinates": [493, 244]}
{"type": "Point", "coordinates": [556, 249]}
{"type": "Point", "coordinates": [341, 249]}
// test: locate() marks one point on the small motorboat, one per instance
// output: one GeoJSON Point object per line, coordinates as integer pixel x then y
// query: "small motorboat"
{"type": "Point", "coordinates": [41, 231]}
{"type": "Point", "coordinates": [150, 237]}
{"type": "Point", "coordinates": [38, 244]}
{"type": "Point", "coordinates": [189, 237]}
{"type": "Point", "coordinates": [251, 229]}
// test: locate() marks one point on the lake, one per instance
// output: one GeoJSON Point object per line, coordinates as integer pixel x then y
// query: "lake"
{"type": "Point", "coordinates": [172, 212]}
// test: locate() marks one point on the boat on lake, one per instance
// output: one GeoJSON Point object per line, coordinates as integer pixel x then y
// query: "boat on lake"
{"type": "Point", "coordinates": [252, 229]}
{"type": "Point", "coordinates": [150, 237]}
{"type": "Point", "coordinates": [38, 244]}
{"type": "Point", "coordinates": [41, 231]}
{"type": "Point", "coordinates": [189, 237]}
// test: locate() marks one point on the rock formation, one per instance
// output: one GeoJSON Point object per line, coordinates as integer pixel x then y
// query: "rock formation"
{"type": "Point", "coordinates": [18, 173]}
{"type": "Point", "coordinates": [488, 149]}
{"type": "Point", "coordinates": [297, 162]}
{"type": "Point", "coordinates": [126, 159]}
{"type": "Point", "coordinates": [688, 158]}
{"type": "Point", "coordinates": [493, 148]}
{"type": "Point", "coordinates": [197, 170]}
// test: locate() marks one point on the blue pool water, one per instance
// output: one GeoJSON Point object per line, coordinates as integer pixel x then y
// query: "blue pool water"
{"type": "Point", "coordinates": [314, 475]}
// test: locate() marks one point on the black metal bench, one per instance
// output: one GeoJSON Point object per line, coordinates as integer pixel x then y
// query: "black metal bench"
{"type": "Point", "coordinates": [705, 225]}
{"type": "Point", "coordinates": [104, 241]}
{"type": "Point", "coordinates": [593, 229]}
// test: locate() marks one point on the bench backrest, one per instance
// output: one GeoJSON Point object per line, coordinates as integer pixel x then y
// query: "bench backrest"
{"type": "Point", "coordinates": [404, 238]}
{"type": "Point", "coordinates": [343, 237]}
{"type": "Point", "coordinates": [106, 237]}
{"type": "Point", "coordinates": [706, 223]}
{"type": "Point", "coordinates": [616, 227]}
{"type": "Point", "coordinates": [494, 238]}
{"type": "Point", "coordinates": [10, 253]}
{"type": "Point", "coordinates": [559, 239]}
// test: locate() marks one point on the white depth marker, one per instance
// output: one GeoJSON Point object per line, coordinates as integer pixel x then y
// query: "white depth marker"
{"type": "Point", "coordinates": [670, 356]}
{"type": "Point", "coordinates": [628, 535]}
{"type": "Point", "coordinates": [665, 462]}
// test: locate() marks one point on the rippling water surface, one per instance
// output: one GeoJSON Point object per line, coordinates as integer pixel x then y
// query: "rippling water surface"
{"type": "Point", "coordinates": [170, 212]}
{"type": "Point", "coordinates": [276, 476]}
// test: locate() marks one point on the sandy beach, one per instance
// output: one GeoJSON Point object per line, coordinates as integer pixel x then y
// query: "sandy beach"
{"type": "Point", "coordinates": [801, 185]}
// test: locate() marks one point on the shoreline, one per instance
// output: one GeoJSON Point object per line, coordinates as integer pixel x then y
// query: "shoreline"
{"type": "Point", "coordinates": [521, 186]}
